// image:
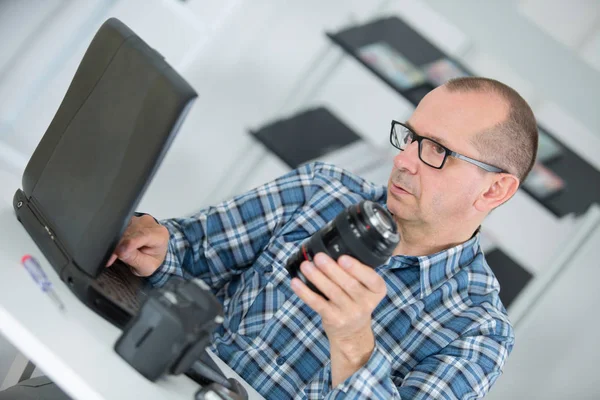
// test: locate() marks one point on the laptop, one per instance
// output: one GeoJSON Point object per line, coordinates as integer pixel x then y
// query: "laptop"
{"type": "Point", "coordinates": [84, 180]}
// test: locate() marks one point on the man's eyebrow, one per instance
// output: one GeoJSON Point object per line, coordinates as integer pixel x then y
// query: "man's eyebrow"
{"type": "Point", "coordinates": [436, 138]}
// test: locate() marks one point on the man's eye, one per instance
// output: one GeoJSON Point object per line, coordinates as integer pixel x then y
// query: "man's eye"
{"type": "Point", "coordinates": [438, 149]}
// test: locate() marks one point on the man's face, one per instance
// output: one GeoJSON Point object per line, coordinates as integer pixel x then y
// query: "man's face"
{"type": "Point", "coordinates": [438, 197]}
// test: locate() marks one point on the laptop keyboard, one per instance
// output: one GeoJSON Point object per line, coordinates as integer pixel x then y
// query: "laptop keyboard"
{"type": "Point", "coordinates": [121, 286]}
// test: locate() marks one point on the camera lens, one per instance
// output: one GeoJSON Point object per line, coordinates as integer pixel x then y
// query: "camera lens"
{"type": "Point", "coordinates": [365, 231]}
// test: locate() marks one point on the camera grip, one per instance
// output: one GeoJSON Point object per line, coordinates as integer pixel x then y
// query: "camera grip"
{"type": "Point", "coordinates": [143, 343]}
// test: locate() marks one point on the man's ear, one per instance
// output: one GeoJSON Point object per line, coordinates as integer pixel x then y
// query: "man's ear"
{"type": "Point", "coordinates": [501, 189]}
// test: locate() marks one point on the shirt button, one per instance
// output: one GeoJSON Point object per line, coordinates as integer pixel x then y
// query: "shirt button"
{"type": "Point", "coordinates": [280, 360]}
{"type": "Point", "coordinates": [268, 269]}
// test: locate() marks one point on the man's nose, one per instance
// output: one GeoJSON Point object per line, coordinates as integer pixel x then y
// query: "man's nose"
{"type": "Point", "coordinates": [408, 159]}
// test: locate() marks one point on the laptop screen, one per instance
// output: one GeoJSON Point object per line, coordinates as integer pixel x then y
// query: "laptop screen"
{"type": "Point", "coordinates": [104, 144]}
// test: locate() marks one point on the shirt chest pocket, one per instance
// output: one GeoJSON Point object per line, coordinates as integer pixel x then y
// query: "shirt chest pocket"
{"type": "Point", "coordinates": [258, 297]}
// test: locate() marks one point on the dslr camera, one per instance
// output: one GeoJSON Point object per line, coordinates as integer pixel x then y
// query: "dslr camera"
{"type": "Point", "coordinates": [170, 333]}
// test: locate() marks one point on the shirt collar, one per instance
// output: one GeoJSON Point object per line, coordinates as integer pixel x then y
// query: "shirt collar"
{"type": "Point", "coordinates": [435, 269]}
{"type": "Point", "coordinates": [439, 267]}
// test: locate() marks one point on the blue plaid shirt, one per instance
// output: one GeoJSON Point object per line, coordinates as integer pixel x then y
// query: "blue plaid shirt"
{"type": "Point", "coordinates": [441, 331]}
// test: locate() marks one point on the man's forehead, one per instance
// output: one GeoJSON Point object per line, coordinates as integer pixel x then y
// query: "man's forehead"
{"type": "Point", "coordinates": [456, 117]}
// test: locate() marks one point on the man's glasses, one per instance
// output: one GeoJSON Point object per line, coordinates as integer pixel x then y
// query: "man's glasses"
{"type": "Point", "coordinates": [430, 152]}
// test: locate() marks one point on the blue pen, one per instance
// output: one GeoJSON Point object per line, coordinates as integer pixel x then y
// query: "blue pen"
{"type": "Point", "coordinates": [37, 273]}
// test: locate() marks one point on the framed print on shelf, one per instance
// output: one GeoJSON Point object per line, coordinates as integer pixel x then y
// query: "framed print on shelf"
{"type": "Point", "coordinates": [394, 67]}
{"type": "Point", "coordinates": [442, 70]}
{"type": "Point", "coordinates": [543, 183]}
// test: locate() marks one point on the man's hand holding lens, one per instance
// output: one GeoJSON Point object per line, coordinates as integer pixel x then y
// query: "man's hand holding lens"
{"type": "Point", "coordinates": [353, 291]}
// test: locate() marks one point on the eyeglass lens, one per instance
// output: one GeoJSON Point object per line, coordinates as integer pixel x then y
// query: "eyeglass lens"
{"type": "Point", "coordinates": [430, 152]}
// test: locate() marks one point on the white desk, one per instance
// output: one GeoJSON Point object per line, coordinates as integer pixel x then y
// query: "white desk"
{"type": "Point", "coordinates": [74, 347]}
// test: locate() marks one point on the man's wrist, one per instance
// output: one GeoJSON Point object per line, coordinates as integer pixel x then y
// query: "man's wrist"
{"type": "Point", "coordinates": [355, 351]}
{"type": "Point", "coordinates": [348, 355]}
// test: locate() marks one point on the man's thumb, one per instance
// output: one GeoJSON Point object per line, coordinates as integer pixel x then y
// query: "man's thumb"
{"type": "Point", "coordinates": [143, 263]}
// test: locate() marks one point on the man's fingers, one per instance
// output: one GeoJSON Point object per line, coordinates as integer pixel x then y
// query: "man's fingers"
{"type": "Point", "coordinates": [111, 260]}
{"type": "Point", "coordinates": [353, 287]}
{"type": "Point", "coordinates": [142, 264]}
{"type": "Point", "coordinates": [329, 288]}
{"type": "Point", "coordinates": [143, 245]}
{"type": "Point", "coordinates": [140, 248]}
{"type": "Point", "coordinates": [138, 239]}
{"type": "Point", "coordinates": [313, 300]}
{"type": "Point", "coordinates": [364, 274]}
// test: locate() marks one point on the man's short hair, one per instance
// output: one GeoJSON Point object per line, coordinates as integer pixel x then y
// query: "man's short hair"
{"type": "Point", "coordinates": [512, 144]}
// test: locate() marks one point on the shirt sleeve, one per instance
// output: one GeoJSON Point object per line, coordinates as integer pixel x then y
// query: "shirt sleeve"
{"type": "Point", "coordinates": [465, 369]}
{"type": "Point", "coordinates": [221, 241]}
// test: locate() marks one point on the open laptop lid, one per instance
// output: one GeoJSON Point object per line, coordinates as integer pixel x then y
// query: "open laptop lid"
{"type": "Point", "coordinates": [90, 169]}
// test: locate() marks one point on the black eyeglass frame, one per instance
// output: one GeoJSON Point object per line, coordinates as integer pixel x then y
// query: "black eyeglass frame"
{"type": "Point", "coordinates": [448, 152]}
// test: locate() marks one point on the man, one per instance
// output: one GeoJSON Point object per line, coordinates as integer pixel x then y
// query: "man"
{"type": "Point", "coordinates": [426, 324]}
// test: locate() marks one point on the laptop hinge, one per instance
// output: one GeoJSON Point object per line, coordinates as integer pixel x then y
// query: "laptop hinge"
{"type": "Point", "coordinates": [43, 236]}
{"type": "Point", "coordinates": [34, 222]}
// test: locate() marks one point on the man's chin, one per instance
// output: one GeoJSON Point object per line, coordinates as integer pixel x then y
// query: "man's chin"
{"type": "Point", "coordinates": [399, 207]}
{"type": "Point", "coordinates": [394, 204]}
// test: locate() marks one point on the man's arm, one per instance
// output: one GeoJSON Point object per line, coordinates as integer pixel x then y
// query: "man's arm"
{"type": "Point", "coordinates": [223, 240]}
{"type": "Point", "coordinates": [360, 368]}
{"type": "Point", "coordinates": [465, 369]}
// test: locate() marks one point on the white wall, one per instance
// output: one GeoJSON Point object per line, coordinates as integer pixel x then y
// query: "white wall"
{"type": "Point", "coordinates": [35, 79]}
{"type": "Point", "coordinates": [556, 354]}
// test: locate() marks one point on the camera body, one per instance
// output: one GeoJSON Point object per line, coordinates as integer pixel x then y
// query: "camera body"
{"type": "Point", "coordinates": [365, 231]}
{"type": "Point", "coordinates": [172, 329]}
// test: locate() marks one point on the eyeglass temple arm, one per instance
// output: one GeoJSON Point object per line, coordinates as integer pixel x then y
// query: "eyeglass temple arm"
{"type": "Point", "coordinates": [487, 167]}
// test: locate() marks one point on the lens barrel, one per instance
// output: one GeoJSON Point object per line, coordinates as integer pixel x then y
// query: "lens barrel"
{"type": "Point", "coordinates": [365, 231]}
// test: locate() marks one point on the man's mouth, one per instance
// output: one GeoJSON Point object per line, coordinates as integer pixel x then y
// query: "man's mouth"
{"type": "Point", "coordinates": [397, 189]}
